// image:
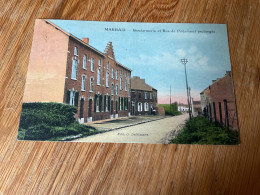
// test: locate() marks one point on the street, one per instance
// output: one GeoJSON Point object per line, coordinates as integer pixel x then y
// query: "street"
{"type": "Point", "coordinates": [154, 132]}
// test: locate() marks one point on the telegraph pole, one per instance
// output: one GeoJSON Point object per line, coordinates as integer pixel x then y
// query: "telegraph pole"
{"type": "Point", "coordinates": [170, 98]}
{"type": "Point", "coordinates": [184, 61]}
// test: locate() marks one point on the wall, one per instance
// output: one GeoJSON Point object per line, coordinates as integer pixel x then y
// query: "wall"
{"type": "Point", "coordinates": [47, 65]}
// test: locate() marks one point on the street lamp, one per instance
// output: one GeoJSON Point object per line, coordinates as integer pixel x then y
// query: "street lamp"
{"type": "Point", "coordinates": [184, 61]}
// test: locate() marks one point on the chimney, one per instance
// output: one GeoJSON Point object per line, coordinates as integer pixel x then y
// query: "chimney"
{"type": "Point", "coordinates": [86, 40]}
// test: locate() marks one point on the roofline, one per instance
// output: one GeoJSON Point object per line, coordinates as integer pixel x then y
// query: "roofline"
{"type": "Point", "coordinates": [72, 36]}
{"type": "Point", "coordinates": [123, 66]}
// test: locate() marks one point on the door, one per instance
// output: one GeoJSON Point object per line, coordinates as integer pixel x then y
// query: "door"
{"type": "Point", "coordinates": [116, 108]}
{"type": "Point", "coordinates": [81, 111]}
{"type": "Point", "coordinates": [90, 108]}
{"type": "Point", "coordinates": [112, 107]}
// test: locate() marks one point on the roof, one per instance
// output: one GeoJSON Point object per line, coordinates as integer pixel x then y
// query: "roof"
{"type": "Point", "coordinates": [85, 44]}
{"type": "Point", "coordinates": [139, 84]}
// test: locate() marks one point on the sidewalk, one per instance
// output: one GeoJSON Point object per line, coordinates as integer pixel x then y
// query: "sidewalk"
{"type": "Point", "coordinates": [118, 123]}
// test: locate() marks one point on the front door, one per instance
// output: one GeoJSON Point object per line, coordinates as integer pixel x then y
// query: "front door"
{"type": "Point", "coordinates": [116, 108]}
{"type": "Point", "coordinates": [90, 108]}
{"type": "Point", "coordinates": [81, 111]}
{"type": "Point", "coordinates": [112, 106]}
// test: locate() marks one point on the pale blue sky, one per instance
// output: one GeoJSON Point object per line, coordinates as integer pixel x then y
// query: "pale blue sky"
{"type": "Point", "coordinates": [156, 55]}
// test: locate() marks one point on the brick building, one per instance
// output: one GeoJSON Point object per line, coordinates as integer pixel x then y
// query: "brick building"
{"type": "Point", "coordinates": [143, 97]}
{"type": "Point", "coordinates": [65, 69]}
{"type": "Point", "coordinates": [218, 102]}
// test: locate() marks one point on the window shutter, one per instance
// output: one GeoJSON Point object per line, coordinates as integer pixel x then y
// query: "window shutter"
{"type": "Point", "coordinates": [100, 103]}
{"type": "Point", "coordinates": [76, 99]}
{"type": "Point", "coordinates": [105, 98]}
{"type": "Point", "coordinates": [95, 103]}
{"type": "Point", "coordinates": [68, 97]}
{"type": "Point", "coordinates": [108, 103]}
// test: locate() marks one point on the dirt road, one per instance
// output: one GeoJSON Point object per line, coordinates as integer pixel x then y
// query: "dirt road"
{"type": "Point", "coordinates": [152, 132]}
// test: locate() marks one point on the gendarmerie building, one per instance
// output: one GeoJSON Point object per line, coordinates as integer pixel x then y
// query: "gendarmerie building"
{"type": "Point", "coordinates": [66, 69]}
{"type": "Point", "coordinates": [143, 97]}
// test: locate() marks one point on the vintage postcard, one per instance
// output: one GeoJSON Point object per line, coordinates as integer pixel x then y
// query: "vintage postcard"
{"type": "Point", "coordinates": [156, 83]}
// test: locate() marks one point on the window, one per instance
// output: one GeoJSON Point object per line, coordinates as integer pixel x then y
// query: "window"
{"type": "Point", "coordinates": [74, 69]}
{"type": "Point", "coordinates": [151, 96]}
{"type": "Point", "coordinates": [92, 65]}
{"type": "Point", "coordinates": [128, 79]}
{"type": "Point", "coordinates": [121, 72]}
{"type": "Point", "coordinates": [116, 74]}
{"type": "Point", "coordinates": [75, 51]}
{"type": "Point", "coordinates": [112, 89]}
{"type": "Point", "coordinates": [91, 84]}
{"type": "Point", "coordinates": [108, 66]}
{"type": "Point", "coordinates": [140, 107]}
{"type": "Point", "coordinates": [120, 83]}
{"type": "Point", "coordinates": [145, 95]}
{"type": "Point", "coordinates": [107, 79]}
{"type": "Point", "coordinates": [112, 73]}
{"type": "Point", "coordinates": [83, 83]}
{"type": "Point", "coordinates": [125, 84]}
{"type": "Point", "coordinates": [98, 76]}
{"type": "Point", "coordinates": [99, 62]}
{"type": "Point", "coordinates": [116, 89]}
{"type": "Point", "coordinates": [125, 74]}
{"type": "Point", "coordinates": [84, 62]}
{"type": "Point", "coordinates": [139, 95]}
{"type": "Point", "coordinates": [146, 106]}
{"type": "Point", "coordinates": [72, 98]}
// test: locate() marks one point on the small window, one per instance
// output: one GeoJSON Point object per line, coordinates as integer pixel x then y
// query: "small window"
{"type": "Point", "coordinates": [140, 109]}
{"type": "Point", "coordinates": [85, 62]}
{"type": "Point", "coordinates": [92, 64]}
{"type": "Point", "coordinates": [145, 95]}
{"type": "Point", "coordinates": [151, 96]}
{"type": "Point", "coordinates": [91, 84]}
{"type": "Point", "coordinates": [116, 89]}
{"type": "Point", "coordinates": [98, 76]}
{"type": "Point", "coordinates": [83, 83]}
{"type": "Point", "coordinates": [107, 79]}
{"type": "Point", "coordinates": [112, 89]}
{"type": "Point", "coordinates": [116, 74]}
{"type": "Point", "coordinates": [112, 73]}
{"type": "Point", "coordinates": [75, 51]}
{"type": "Point", "coordinates": [125, 84]}
{"type": "Point", "coordinates": [74, 69]}
{"type": "Point", "coordinates": [108, 66]}
{"type": "Point", "coordinates": [146, 106]}
{"type": "Point", "coordinates": [99, 62]}
{"type": "Point", "coordinates": [121, 84]}
{"type": "Point", "coordinates": [121, 72]}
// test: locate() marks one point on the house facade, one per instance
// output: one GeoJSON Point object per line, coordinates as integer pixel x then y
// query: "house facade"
{"type": "Point", "coordinates": [69, 70]}
{"type": "Point", "coordinates": [218, 102]}
{"type": "Point", "coordinates": [143, 97]}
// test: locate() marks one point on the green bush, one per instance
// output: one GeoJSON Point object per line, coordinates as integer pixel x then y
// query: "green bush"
{"type": "Point", "coordinates": [50, 121]}
{"type": "Point", "coordinates": [200, 130]}
{"type": "Point", "coordinates": [170, 109]}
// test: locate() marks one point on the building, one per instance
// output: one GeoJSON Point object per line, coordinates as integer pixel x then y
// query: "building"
{"type": "Point", "coordinates": [195, 108]}
{"type": "Point", "coordinates": [218, 102]}
{"type": "Point", "coordinates": [183, 107]}
{"type": "Point", "coordinates": [143, 97]}
{"type": "Point", "coordinates": [66, 69]}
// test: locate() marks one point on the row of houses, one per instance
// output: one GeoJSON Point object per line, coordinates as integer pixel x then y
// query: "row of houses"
{"type": "Point", "coordinates": [66, 69]}
{"type": "Point", "coordinates": [218, 102]}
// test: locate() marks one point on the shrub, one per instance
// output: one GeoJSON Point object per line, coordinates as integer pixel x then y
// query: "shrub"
{"type": "Point", "coordinates": [50, 121]}
{"type": "Point", "coordinates": [170, 109]}
{"type": "Point", "coordinates": [199, 130]}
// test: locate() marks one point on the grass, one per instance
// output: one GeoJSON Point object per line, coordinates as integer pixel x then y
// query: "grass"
{"type": "Point", "coordinates": [200, 130]}
{"type": "Point", "coordinates": [170, 109]}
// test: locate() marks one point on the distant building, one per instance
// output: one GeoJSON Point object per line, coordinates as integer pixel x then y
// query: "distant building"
{"type": "Point", "coordinates": [143, 97]}
{"type": "Point", "coordinates": [183, 108]}
{"type": "Point", "coordinates": [218, 102]}
{"type": "Point", "coordinates": [195, 108]}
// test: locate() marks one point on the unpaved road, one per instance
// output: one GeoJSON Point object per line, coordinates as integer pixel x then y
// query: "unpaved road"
{"type": "Point", "coordinates": [151, 132]}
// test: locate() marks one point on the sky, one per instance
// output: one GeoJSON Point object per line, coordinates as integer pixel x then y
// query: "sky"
{"type": "Point", "coordinates": [154, 51]}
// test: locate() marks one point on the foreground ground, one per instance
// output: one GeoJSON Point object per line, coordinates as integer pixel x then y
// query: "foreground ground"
{"type": "Point", "coordinates": [158, 131]}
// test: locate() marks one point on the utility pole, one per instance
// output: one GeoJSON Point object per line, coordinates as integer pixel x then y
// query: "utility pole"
{"type": "Point", "coordinates": [170, 99]}
{"type": "Point", "coordinates": [184, 61]}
